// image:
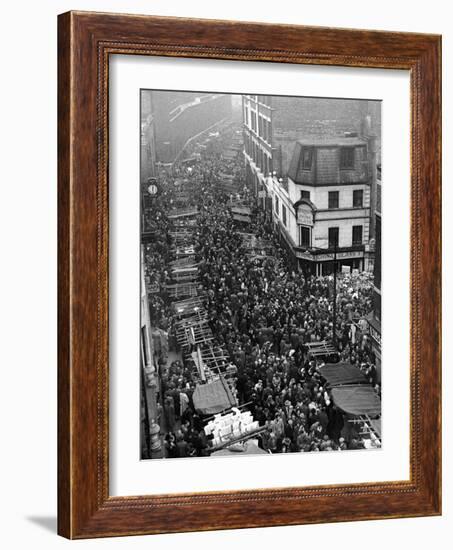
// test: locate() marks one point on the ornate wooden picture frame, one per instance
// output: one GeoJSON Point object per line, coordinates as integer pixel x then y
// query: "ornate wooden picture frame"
{"type": "Point", "coordinates": [86, 40]}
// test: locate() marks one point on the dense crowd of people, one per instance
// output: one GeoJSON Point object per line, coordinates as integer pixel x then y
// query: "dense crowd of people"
{"type": "Point", "coordinates": [263, 313]}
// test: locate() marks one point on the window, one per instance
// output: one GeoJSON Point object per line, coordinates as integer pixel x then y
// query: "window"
{"type": "Point", "coordinates": [346, 158]}
{"type": "Point", "coordinates": [144, 341]}
{"type": "Point", "coordinates": [277, 206]}
{"type": "Point", "coordinates": [284, 215]}
{"type": "Point", "coordinates": [307, 157]}
{"type": "Point", "coordinates": [357, 231]}
{"type": "Point", "coordinates": [305, 194]}
{"type": "Point", "coordinates": [253, 115]}
{"type": "Point", "coordinates": [333, 236]}
{"type": "Point", "coordinates": [305, 236]}
{"type": "Point", "coordinates": [357, 198]}
{"type": "Point", "coordinates": [334, 199]}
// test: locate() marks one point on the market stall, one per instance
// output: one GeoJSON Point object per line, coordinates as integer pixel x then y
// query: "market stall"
{"type": "Point", "coordinates": [214, 397]}
{"type": "Point", "coordinates": [357, 400]}
{"type": "Point", "coordinates": [342, 374]}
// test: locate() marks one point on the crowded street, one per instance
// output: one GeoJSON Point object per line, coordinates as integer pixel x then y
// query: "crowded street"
{"type": "Point", "coordinates": [238, 331]}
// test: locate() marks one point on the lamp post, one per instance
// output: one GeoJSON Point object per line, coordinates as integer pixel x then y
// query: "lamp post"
{"type": "Point", "coordinates": [335, 293]}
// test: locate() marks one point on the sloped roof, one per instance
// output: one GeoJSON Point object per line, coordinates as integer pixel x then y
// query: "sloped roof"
{"type": "Point", "coordinates": [341, 374]}
{"type": "Point", "coordinates": [331, 141]}
{"type": "Point", "coordinates": [242, 218]}
{"type": "Point", "coordinates": [213, 397]}
{"type": "Point", "coordinates": [294, 164]}
{"type": "Point", "coordinates": [357, 400]}
{"type": "Point", "coordinates": [318, 142]}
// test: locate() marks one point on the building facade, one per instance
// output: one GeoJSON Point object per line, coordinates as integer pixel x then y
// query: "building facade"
{"type": "Point", "coordinates": [258, 151]}
{"type": "Point", "coordinates": [325, 206]}
{"type": "Point", "coordinates": [146, 341]}
{"type": "Point", "coordinates": [375, 319]}
{"type": "Point", "coordinates": [147, 139]}
{"type": "Point", "coordinates": [318, 189]}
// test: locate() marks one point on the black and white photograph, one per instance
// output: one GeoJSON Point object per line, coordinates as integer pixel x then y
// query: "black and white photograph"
{"type": "Point", "coordinates": [260, 262]}
{"type": "Point", "coordinates": [193, 267]}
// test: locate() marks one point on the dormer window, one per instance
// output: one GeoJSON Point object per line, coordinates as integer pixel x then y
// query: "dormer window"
{"type": "Point", "coordinates": [347, 158]}
{"type": "Point", "coordinates": [307, 158]}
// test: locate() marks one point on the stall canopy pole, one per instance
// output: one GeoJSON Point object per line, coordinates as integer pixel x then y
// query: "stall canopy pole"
{"type": "Point", "coordinates": [335, 293]}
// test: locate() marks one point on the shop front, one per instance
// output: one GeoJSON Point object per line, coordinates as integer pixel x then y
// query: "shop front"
{"type": "Point", "coordinates": [319, 263]}
{"type": "Point", "coordinates": [375, 337]}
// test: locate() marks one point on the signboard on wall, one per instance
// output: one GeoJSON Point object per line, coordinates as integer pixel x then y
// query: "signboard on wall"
{"type": "Point", "coordinates": [327, 257]}
{"type": "Point", "coordinates": [304, 215]}
{"type": "Point", "coordinates": [304, 255]}
{"type": "Point", "coordinates": [376, 335]}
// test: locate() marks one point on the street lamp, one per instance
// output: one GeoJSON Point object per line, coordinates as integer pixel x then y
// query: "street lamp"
{"type": "Point", "coordinates": [334, 312]}
{"type": "Point", "coordinates": [335, 293]}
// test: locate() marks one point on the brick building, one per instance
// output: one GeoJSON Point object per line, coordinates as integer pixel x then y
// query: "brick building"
{"type": "Point", "coordinates": [311, 163]}
{"type": "Point", "coordinates": [374, 320]}
{"type": "Point", "coordinates": [258, 116]}
{"type": "Point", "coordinates": [325, 204]}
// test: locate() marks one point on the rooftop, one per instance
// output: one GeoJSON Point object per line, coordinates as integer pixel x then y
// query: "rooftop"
{"type": "Point", "coordinates": [331, 141]}
{"type": "Point", "coordinates": [327, 161]}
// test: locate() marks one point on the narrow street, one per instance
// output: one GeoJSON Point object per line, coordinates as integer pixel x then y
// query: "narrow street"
{"type": "Point", "coordinates": [244, 334]}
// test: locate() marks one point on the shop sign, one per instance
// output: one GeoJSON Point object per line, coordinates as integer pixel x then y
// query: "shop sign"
{"type": "Point", "coordinates": [340, 256]}
{"type": "Point", "coordinates": [304, 255]}
{"type": "Point", "coordinates": [375, 335]}
{"type": "Point", "coordinates": [304, 215]}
